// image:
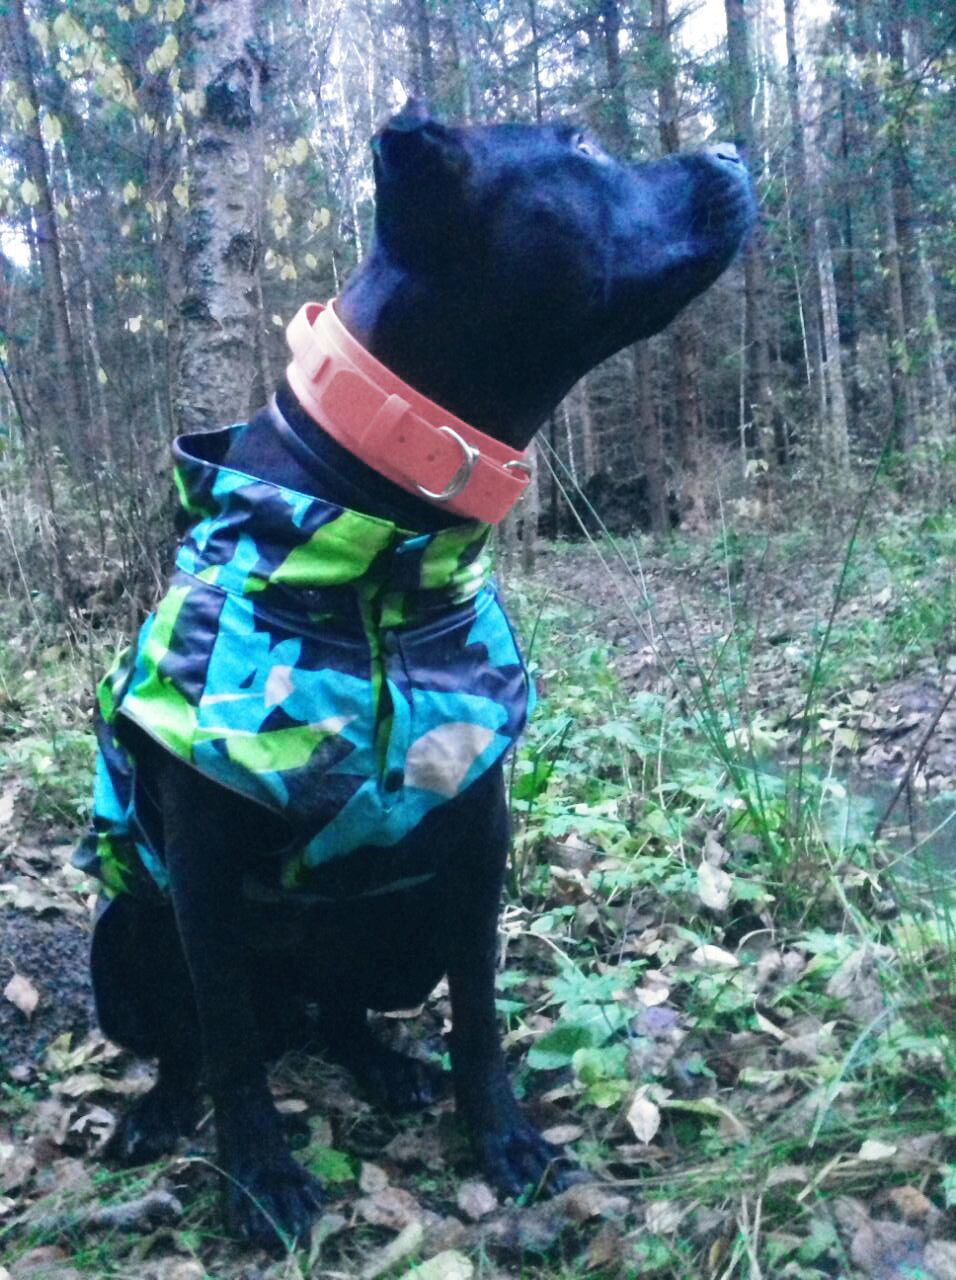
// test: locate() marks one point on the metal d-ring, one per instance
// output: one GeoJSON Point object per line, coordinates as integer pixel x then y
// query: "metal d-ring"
{"type": "Point", "coordinates": [461, 476]}
{"type": "Point", "coordinates": [517, 465]}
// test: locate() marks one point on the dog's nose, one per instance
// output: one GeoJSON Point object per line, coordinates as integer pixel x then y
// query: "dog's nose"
{"type": "Point", "coordinates": [725, 151]}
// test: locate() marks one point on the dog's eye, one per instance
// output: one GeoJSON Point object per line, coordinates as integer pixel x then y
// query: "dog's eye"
{"type": "Point", "coordinates": [586, 146]}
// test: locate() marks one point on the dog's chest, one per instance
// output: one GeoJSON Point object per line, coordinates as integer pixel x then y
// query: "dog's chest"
{"type": "Point", "coordinates": [343, 673]}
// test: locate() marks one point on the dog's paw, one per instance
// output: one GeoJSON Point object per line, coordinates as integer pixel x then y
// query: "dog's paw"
{"type": "Point", "coordinates": [517, 1161]}
{"type": "Point", "coordinates": [397, 1082]}
{"type": "Point", "coordinates": [153, 1125]}
{"type": "Point", "coordinates": [271, 1203]}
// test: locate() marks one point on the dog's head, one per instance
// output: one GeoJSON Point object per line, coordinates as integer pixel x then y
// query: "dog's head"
{"type": "Point", "coordinates": [543, 219]}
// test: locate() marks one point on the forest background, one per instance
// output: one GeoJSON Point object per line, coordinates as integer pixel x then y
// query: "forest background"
{"type": "Point", "coordinates": [729, 931]}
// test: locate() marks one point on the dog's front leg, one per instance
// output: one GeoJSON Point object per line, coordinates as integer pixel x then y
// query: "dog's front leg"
{"type": "Point", "coordinates": [510, 1150]}
{"type": "Point", "coordinates": [266, 1194]}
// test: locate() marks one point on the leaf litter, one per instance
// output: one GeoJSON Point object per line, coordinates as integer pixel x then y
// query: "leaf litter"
{"type": "Point", "coordinates": [723, 1069]}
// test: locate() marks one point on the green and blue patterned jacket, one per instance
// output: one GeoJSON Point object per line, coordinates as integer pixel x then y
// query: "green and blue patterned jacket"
{"type": "Point", "coordinates": [347, 674]}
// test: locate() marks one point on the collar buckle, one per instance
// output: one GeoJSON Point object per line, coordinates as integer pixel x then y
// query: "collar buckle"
{"type": "Point", "coordinates": [462, 474]}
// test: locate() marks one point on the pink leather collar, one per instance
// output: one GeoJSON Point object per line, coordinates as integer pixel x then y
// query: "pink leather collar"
{"type": "Point", "coordinates": [390, 426]}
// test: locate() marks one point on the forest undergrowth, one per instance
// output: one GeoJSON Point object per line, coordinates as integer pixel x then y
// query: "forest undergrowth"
{"type": "Point", "coordinates": [728, 963]}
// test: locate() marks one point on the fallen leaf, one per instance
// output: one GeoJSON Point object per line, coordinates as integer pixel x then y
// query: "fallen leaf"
{"type": "Point", "coordinates": [787, 1173]}
{"type": "Point", "coordinates": [21, 992]}
{"type": "Point", "coordinates": [560, 1134]}
{"type": "Point", "coordinates": [392, 1207]}
{"type": "Point", "coordinates": [909, 1203]}
{"type": "Point", "coordinates": [662, 1217]}
{"type": "Point", "coordinates": [710, 957]}
{"type": "Point", "coordinates": [872, 1149]}
{"type": "Point", "coordinates": [644, 1117]}
{"type": "Point", "coordinates": [8, 798]}
{"type": "Point", "coordinates": [592, 1200]}
{"type": "Point", "coordinates": [449, 1265]}
{"type": "Point", "coordinates": [713, 886]}
{"type": "Point", "coordinates": [476, 1200]}
{"type": "Point", "coordinates": [16, 1166]}
{"type": "Point", "coordinates": [405, 1243]}
{"type": "Point", "coordinates": [372, 1178]}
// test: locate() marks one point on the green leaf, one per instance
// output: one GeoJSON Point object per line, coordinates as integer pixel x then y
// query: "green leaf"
{"type": "Point", "coordinates": [556, 1049]}
{"type": "Point", "coordinates": [330, 1165]}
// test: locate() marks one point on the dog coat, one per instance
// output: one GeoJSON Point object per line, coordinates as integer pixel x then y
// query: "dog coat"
{"type": "Point", "coordinates": [345, 673]}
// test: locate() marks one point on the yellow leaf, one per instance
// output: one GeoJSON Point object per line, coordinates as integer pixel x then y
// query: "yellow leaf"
{"type": "Point", "coordinates": [181, 194]}
{"type": "Point", "coordinates": [288, 272]}
{"type": "Point", "coordinates": [278, 204]}
{"type": "Point", "coordinates": [40, 32]}
{"type": "Point", "coordinates": [29, 191]}
{"type": "Point", "coordinates": [123, 13]}
{"type": "Point", "coordinates": [25, 110]}
{"type": "Point", "coordinates": [311, 261]}
{"type": "Point", "coordinates": [195, 101]}
{"type": "Point", "coordinates": [141, 7]}
{"type": "Point", "coordinates": [270, 261]}
{"type": "Point", "coordinates": [175, 10]}
{"type": "Point", "coordinates": [52, 129]}
{"type": "Point", "coordinates": [299, 150]}
{"type": "Point", "coordinates": [134, 324]}
{"type": "Point", "coordinates": [322, 219]}
{"type": "Point", "coordinates": [67, 30]}
{"type": "Point", "coordinates": [130, 192]}
{"type": "Point", "coordinates": [62, 211]}
{"type": "Point", "coordinates": [126, 228]}
{"type": "Point", "coordinates": [277, 321]}
{"type": "Point", "coordinates": [166, 54]}
{"type": "Point", "coordinates": [101, 377]}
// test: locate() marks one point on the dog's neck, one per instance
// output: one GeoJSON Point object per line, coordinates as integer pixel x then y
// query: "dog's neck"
{"type": "Point", "coordinates": [445, 346]}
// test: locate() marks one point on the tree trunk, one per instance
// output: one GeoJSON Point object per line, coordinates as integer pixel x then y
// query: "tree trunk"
{"type": "Point", "coordinates": [66, 400]}
{"type": "Point", "coordinates": [652, 437]}
{"type": "Point", "coordinates": [803, 204]}
{"type": "Point", "coordinates": [836, 433]}
{"type": "Point", "coordinates": [742, 85]}
{"type": "Point", "coordinates": [618, 128]}
{"type": "Point", "coordinates": [219, 253]}
{"type": "Point", "coordinates": [421, 62]}
{"type": "Point", "coordinates": [684, 336]}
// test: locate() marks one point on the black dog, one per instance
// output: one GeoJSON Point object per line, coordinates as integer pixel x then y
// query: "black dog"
{"type": "Point", "coordinates": [508, 261]}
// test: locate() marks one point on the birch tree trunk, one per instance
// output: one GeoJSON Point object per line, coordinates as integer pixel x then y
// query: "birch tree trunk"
{"type": "Point", "coordinates": [742, 88]}
{"type": "Point", "coordinates": [219, 248]}
{"type": "Point", "coordinates": [836, 433]}
{"type": "Point", "coordinates": [803, 209]}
